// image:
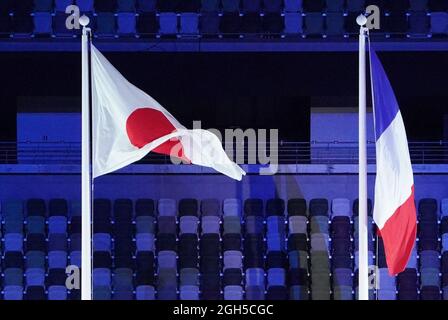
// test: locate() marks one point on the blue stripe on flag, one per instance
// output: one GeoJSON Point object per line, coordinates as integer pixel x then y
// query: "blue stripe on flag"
{"type": "Point", "coordinates": [385, 103]}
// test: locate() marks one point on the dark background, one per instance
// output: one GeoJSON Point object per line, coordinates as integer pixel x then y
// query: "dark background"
{"type": "Point", "coordinates": [227, 90]}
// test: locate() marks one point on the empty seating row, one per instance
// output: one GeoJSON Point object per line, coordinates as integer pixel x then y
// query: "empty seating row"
{"type": "Point", "coordinates": [25, 6]}
{"type": "Point", "coordinates": [208, 249]}
{"type": "Point", "coordinates": [416, 24]}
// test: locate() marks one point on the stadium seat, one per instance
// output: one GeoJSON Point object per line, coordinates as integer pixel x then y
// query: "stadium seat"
{"type": "Point", "coordinates": [13, 293]}
{"type": "Point", "coordinates": [335, 5]}
{"type": "Point", "coordinates": [297, 207]}
{"type": "Point", "coordinates": [439, 23]}
{"type": "Point", "coordinates": [126, 5]}
{"type": "Point", "coordinates": [61, 5]}
{"type": "Point", "coordinates": [189, 293]}
{"type": "Point", "coordinates": [438, 5]}
{"type": "Point", "coordinates": [356, 6]}
{"type": "Point", "coordinates": [57, 293]}
{"type": "Point", "coordinates": [210, 5]}
{"type": "Point", "coordinates": [105, 24]}
{"type": "Point", "coordinates": [210, 224]}
{"type": "Point", "coordinates": [313, 5]}
{"type": "Point", "coordinates": [12, 213]}
{"type": "Point", "coordinates": [35, 242]}
{"type": "Point", "coordinates": [43, 5]}
{"type": "Point", "coordinates": [145, 293]}
{"type": "Point", "coordinates": [297, 292]}
{"type": "Point", "coordinates": [418, 5]}
{"type": "Point", "coordinates": [144, 224]}
{"type": "Point", "coordinates": [105, 5]}
{"type": "Point", "coordinates": [233, 292]}
{"type": "Point", "coordinates": [231, 5]}
{"type": "Point", "coordinates": [85, 5]}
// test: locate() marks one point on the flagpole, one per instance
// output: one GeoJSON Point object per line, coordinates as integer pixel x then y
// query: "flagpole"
{"type": "Point", "coordinates": [363, 288]}
{"type": "Point", "coordinates": [86, 179]}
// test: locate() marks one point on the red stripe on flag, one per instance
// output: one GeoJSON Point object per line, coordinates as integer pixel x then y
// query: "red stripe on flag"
{"type": "Point", "coordinates": [399, 234]}
{"type": "Point", "coordinates": [145, 125]}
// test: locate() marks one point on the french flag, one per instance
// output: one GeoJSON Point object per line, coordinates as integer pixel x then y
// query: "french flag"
{"type": "Point", "coordinates": [394, 211]}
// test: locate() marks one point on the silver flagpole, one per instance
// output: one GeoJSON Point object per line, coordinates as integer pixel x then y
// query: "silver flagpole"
{"type": "Point", "coordinates": [363, 283]}
{"type": "Point", "coordinates": [86, 178]}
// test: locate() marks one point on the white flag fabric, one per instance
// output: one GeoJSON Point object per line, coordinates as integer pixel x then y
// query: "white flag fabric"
{"type": "Point", "coordinates": [128, 124]}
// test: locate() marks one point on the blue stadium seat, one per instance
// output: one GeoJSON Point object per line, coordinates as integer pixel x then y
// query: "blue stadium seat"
{"type": "Point", "coordinates": [232, 207]}
{"type": "Point", "coordinates": [439, 23]}
{"type": "Point", "coordinates": [210, 224]}
{"type": "Point", "coordinates": [189, 292]}
{"type": "Point", "coordinates": [188, 224]}
{"type": "Point", "coordinates": [253, 207]}
{"type": "Point", "coordinates": [233, 292]}
{"type": "Point", "coordinates": [276, 277]}
{"type": "Point", "coordinates": [277, 293]}
{"type": "Point", "coordinates": [297, 292]}
{"type": "Point", "coordinates": [35, 277]}
{"type": "Point", "coordinates": [418, 5]}
{"type": "Point", "coordinates": [293, 5]}
{"type": "Point", "coordinates": [57, 259]}
{"type": "Point", "coordinates": [57, 242]}
{"type": "Point", "coordinates": [43, 5]}
{"type": "Point", "coordinates": [387, 294]}
{"type": "Point", "coordinates": [209, 23]}
{"type": "Point", "coordinates": [85, 5]}
{"type": "Point", "coordinates": [123, 284]}
{"type": "Point", "coordinates": [233, 259]}
{"type": "Point", "coordinates": [105, 5]}
{"type": "Point", "coordinates": [102, 242]}
{"type": "Point", "coordinates": [13, 277]}
{"type": "Point", "coordinates": [57, 224]}
{"type": "Point", "coordinates": [145, 224]}
{"type": "Point", "coordinates": [231, 5]}
{"type": "Point", "coordinates": [427, 208]}
{"type": "Point", "coordinates": [147, 5]}
{"type": "Point", "coordinates": [144, 207]}
{"type": "Point", "coordinates": [61, 5]}
{"type": "Point", "coordinates": [430, 293]}
{"type": "Point", "coordinates": [356, 6]}
{"type": "Point", "coordinates": [167, 207]}
{"type": "Point", "coordinates": [12, 213]}
{"type": "Point", "coordinates": [13, 293]}
{"type": "Point", "coordinates": [313, 5]}
{"type": "Point", "coordinates": [189, 277]}
{"type": "Point", "coordinates": [210, 5]}
{"type": "Point", "coordinates": [272, 6]}
{"type": "Point", "coordinates": [340, 207]}
{"type": "Point", "coordinates": [126, 24]}
{"type": "Point", "coordinates": [126, 6]}
{"type": "Point", "coordinates": [335, 5]}
{"type": "Point", "coordinates": [298, 224]}
{"type": "Point", "coordinates": [210, 207]}
{"type": "Point", "coordinates": [13, 242]}
{"type": "Point", "coordinates": [145, 242]}
{"type": "Point", "coordinates": [102, 259]}
{"type": "Point", "coordinates": [105, 25]}
{"type": "Point", "coordinates": [57, 293]}
{"type": "Point", "coordinates": [231, 241]}
{"type": "Point", "coordinates": [35, 259]}
{"type": "Point", "coordinates": [251, 6]}
{"type": "Point", "coordinates": [145, 293]}
{"type": "Point", "coordinates": [438, 5]}
{"type": "Point", "coordinates": [167, 224]}
{"type": "Point", "coordinates": [101, 277]}
{"type": "Point", "coordinates": [319, 207]}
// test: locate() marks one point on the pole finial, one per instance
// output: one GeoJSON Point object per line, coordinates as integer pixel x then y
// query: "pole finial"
{"type": "Point", "coordinates": [84, 20]}
{"type": "Point", "coordinates": [361, 20]}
